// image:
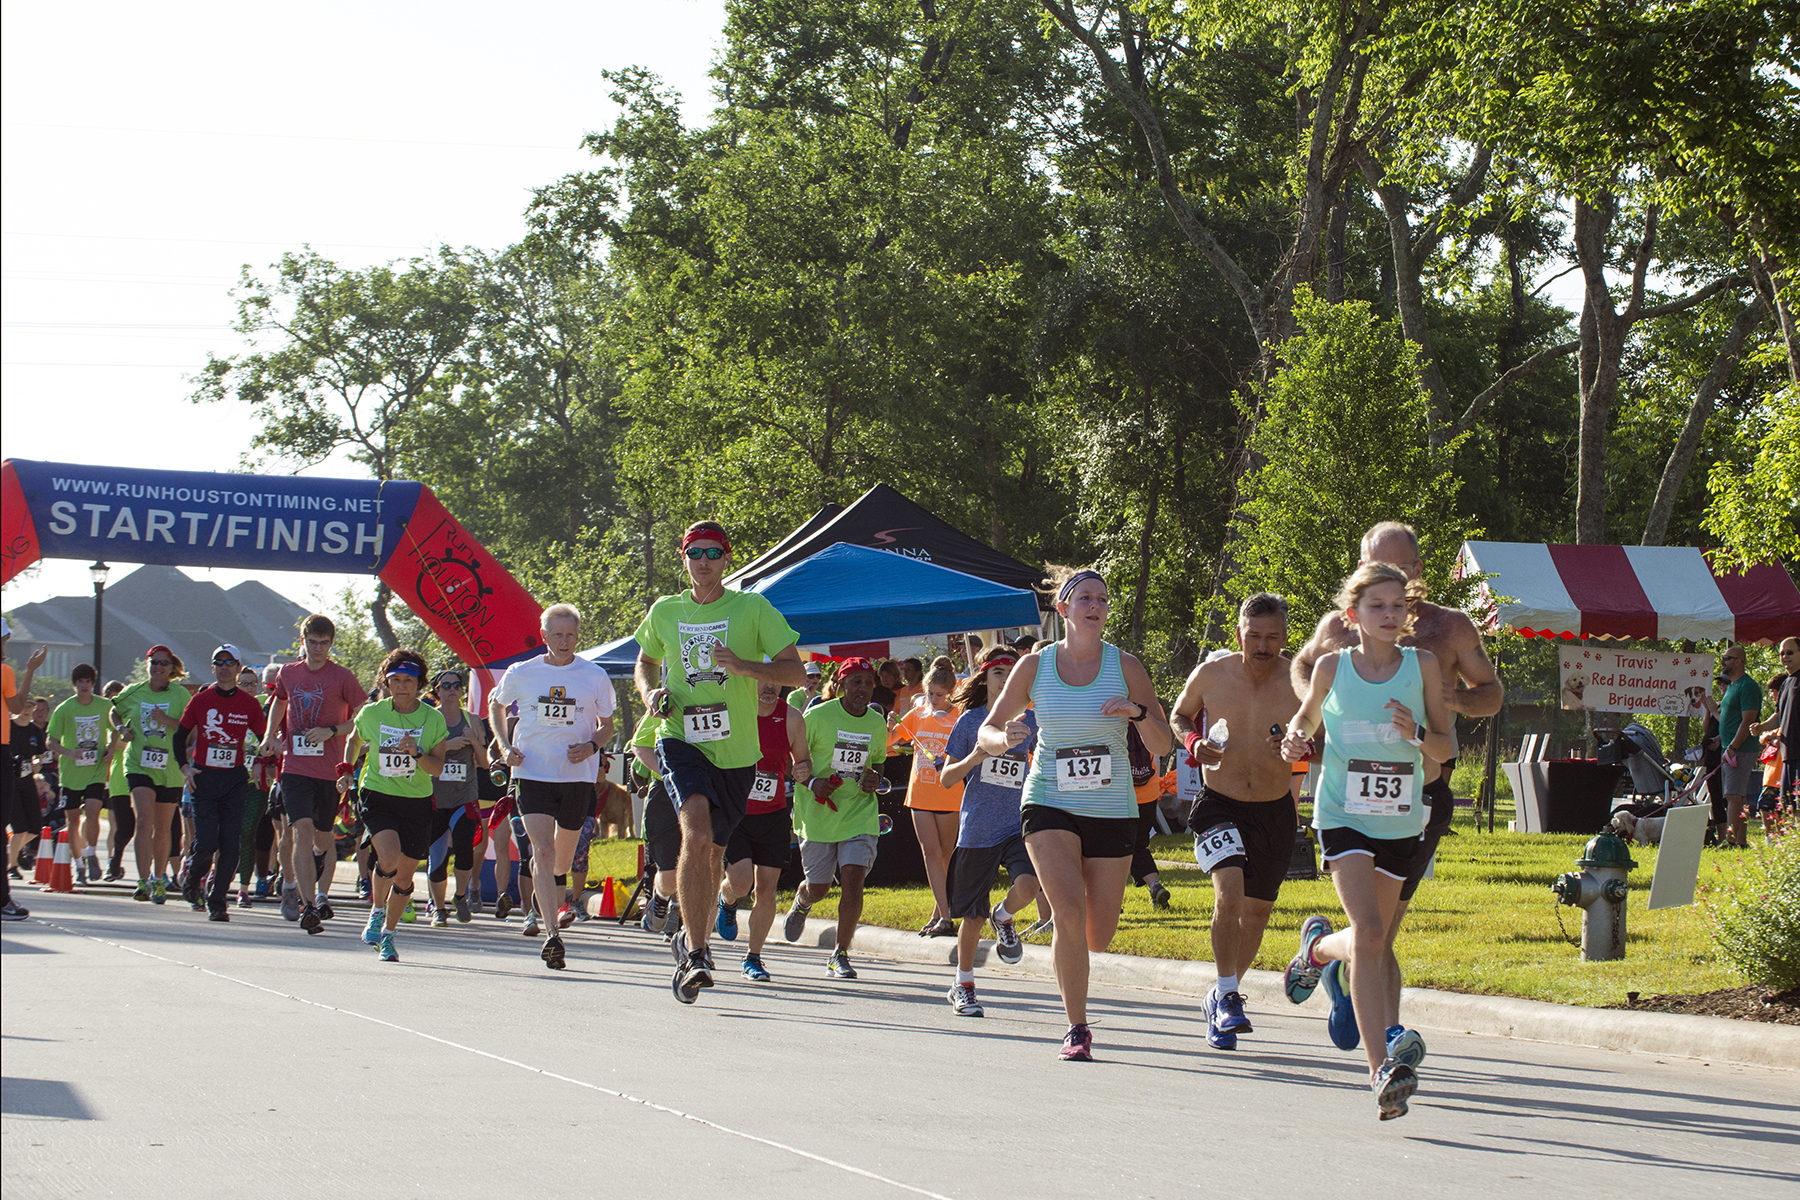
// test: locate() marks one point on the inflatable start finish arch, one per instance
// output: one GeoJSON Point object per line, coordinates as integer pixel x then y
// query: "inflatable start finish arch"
{"type": "Point", "coordinates": [396, 531]}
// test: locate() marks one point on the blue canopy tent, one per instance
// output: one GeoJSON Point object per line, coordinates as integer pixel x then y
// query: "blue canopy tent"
{"type": "Point", "coordinates": [618, 656]}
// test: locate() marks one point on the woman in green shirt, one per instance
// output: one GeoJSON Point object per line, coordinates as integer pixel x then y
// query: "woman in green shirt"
{"type": "Point", "coordinates": [147, 714]}
{"type": "Point", "coordinates": [405, 742]}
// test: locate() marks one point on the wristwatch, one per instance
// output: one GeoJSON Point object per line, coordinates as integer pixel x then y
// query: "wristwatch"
{"type": "Point", "coordinates": [1418, 737]}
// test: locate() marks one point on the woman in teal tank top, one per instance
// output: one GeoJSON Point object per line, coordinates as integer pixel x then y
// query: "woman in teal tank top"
{"type": "Point", "coordinates": [1370, 810]}
{"type": "Point", "coordinates": [1078, 809]}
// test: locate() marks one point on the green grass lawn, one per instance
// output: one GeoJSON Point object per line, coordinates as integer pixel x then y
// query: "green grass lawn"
{"type": "Point", "coordinates": [1487, 923]}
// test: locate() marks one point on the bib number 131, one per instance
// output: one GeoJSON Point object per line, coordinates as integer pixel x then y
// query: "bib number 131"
{"type": "Point", "coordinates": [1083, 768]}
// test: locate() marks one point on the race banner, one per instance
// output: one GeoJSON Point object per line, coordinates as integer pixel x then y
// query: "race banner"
{"type": "Point", "coordinates": [1601, 679]}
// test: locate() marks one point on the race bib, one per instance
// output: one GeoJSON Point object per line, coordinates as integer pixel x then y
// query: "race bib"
{"type": "Point", "coordinates": [850, 754]}
{"type": "Point", "coordinates": [394, 765]}
{"type": "Point", "coordinates": [1083, 768]}
{"type": "Point", "coordinates": [1217, 844]}
{"type": "Point", "coordinates": [152, 759]}
{"type": "Point", "coordinates": [1007, 771]}
{"type": "Point", "coordinates": [455, 772]}
{"type": "Point", "coordinates": [87, 756]}
{"type": "Point", "coordinates": [705, 723]}
{"type": "Point", "coordinates": [221, 756]}
{"type": "Point", "coordinates": [1378, 789]}
{"type": "Point", "coordinates": [766, 787]}
{"type": "Point", "coordinates": [556, 712]}
{"type": "Point", "coordinates": [298, 745]}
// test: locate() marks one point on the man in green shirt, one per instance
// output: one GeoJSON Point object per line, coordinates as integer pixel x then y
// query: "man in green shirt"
{"type": "Point", "coordinates": [81, 739]}
{"type": "Point", "coordinates": [147, 713]}
{"type": "Point", "coordinates": [799, 698]}
{"type": "Point", "coordinates": [717, 645]}
{"type": "Point", "coordinates": [1739, 709]}
{"type": "Point", "coordinates": [840, 822]}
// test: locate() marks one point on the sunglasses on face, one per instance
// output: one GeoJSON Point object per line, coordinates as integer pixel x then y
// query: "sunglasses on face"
{"type": "Point", "coordinates": [710, 553]}
{"type": "Point", "coordinates": [161, 662]}
{"type": "Point", "coordinates": [224, 662]}
{"type": "Point", "coordinates": [449, 685]}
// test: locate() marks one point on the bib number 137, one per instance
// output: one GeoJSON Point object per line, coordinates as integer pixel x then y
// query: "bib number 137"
{"type": "Point", "coordinates": [1083, 768]}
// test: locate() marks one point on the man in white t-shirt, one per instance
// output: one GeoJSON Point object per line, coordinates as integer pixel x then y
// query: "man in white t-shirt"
{"type": "Point", "coordinates": [565, 719]}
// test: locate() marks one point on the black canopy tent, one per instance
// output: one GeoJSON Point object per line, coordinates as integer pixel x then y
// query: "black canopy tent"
{"type": "Point", "coordinates": [883, 519]}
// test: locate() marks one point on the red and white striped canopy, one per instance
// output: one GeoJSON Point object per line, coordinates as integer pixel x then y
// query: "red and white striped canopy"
{"type": "Point", "coordinates": [1668, 592]}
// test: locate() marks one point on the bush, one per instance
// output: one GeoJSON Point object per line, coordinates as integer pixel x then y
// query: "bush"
{"type": "Point", "coordinates": [1756, 917]}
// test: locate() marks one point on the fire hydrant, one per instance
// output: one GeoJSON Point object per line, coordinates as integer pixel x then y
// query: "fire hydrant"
{"type": "Point", "coordinates": [1600, 891]}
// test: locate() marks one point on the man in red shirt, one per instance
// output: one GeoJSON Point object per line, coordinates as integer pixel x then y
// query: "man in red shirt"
{"type": "Point", "coordinates": [211, 744]}
{"type": "Point", "coordinates": [315, 707]}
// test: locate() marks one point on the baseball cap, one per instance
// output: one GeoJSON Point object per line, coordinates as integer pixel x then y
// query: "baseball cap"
{"type": "Point", "coordinates": [226, 650]}
{"type": "Point", "coordinates": [854, 664]}
{"type": "Point", "coordinates": [812, 668]}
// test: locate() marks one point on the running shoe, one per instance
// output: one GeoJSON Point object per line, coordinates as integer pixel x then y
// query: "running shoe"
{"type": "Point", "coordinates": [244, 900]}
{"type": "Point", "coordinates": [1302, 974]}
{"type": "Point", "coordinates": [463, 915]}
{"type": "Point", "coordinates": [656, 914]}
{"type": "Point", "coordinates": [290, 904]}
{"type": "Point", "coordinates": [942, 927]}
{"type": "Point", "coordinates": [14, 873]}
{"type": "Point", "coordinates": [532, 928]}
{"type": "Point", "coordinates": [309, 920]}
{"type": "Point", "coordinates": [363, 888]}
{"type": "Point", "coordinates": [263, 886]}
{"type": "Point", "coordinates": [81, 872]}
{"type": "Point", "coordinates": [565, 916]}
{"type": "Point", "coordinates": [1216, 1036]}
{"type": "Point", "coordinates": [1007, 946]}
{"type": "Point", "coordinates": [1047, 925]}
{"type": "Point", "coordinates": [1341, 1022]}
{"type": "Point", "coordinates": [11, 911]}
{"type": "Point", "coordinates": [218, 914]}
{"type": "Point", "coordinates": [1393, 1086]}
{"type": "Point", "coordinates": [726, 923]}
{"type": "Point", "coordinates": [503, 906]}
{"type": "Point", "coordinates": [1078, 1045]}
{"type": "Point", "coordinates": [142, 891]}
{"type": "Point", "coordinates": [1231, 1013]}
{"type": "Point", "coordinates": [439, 918]}
{"type": "Point", "coordinates": [674, 925]}
{"type": "Point", "coordinates": [1159, 896]}
{"type": "Point", "coordinates": [962, 999]}
{"type": "Point", "coordinates": [191, 894]}
{"type": "Point", "coordinates": [371, 933]}
{"type": "Point", "coordinates": [553, 954]}
{"type": "Point", "coordinates": [795, 924]}
{"type": "Point", "coordinates": [678, 948]}
{"type": "Point", "coordinates": [388, 953]}
{"type": "Point", "coordinates": [114, 874]}
{"type": "Point", "coordinates": [1405, 1046]}
{"type": "Point", "coordinates": [324, 908]}
{"type": "Point", "coordinates": [838, 965]}
{"type": "Point", "coordinates": [754, 970]}
{"type": "Point", "coordinates": [158, 891]}
{"type": "Point", "coordinates": [409, 914]}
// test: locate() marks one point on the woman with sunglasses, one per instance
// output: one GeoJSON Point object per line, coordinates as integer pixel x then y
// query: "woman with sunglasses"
{"type": "Point", "coordinates": [147, 713]}
{"type": "Point", "coordinates": [405, 738]}
{"type": "Point", "coordinates": [1078, 809]}
{"type": "Point", "coordinates": [453, 792]}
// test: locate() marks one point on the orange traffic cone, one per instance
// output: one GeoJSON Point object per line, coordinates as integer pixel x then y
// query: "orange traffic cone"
{"type": "Point", "coordinates": [62, 871]}
{"type": "Point", "coordinates": [40, 874]}
{"type": "Point", "coordinates": [609, 905]}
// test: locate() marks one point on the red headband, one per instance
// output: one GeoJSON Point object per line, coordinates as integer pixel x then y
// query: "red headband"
{"type": "Point", "coordinates": [706, 535]}
{"type": "Point", "coordinates": [151, 652]}
{"type": "Point", "coordinates": [854, 664]}
{"type": "Point", "coordinates": [1000, 660]}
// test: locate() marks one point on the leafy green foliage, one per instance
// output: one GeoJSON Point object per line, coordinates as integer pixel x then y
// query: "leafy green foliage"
{"type": "Point", "coordinates": [1755, 510]}
{"type": "Point", "coordinates": [1755, 915]}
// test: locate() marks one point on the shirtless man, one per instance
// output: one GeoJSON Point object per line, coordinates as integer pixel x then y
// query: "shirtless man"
{"type": "Point", "coordinates": [1244, 818]}
{"type": "Point", "coordinates": [1450, 635]}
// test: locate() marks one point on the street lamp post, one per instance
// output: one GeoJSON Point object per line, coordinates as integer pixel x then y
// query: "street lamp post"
{"type": "Point", "coordinates": [99, 571]}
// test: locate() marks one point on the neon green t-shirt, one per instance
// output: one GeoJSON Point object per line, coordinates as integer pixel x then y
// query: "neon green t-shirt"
{"type": "Point", "coordinates": [840, 744]}
{"type": "Point", "coordinates": [711, 710]}
{"type": "Point", "coordinates": [380, 727]}
{"type": "Point", "coordinates": [83, 729]}
{"type": "Point", "coordinates": [150, 747]}
{"type": "Point", "coordinates": [645, 735]}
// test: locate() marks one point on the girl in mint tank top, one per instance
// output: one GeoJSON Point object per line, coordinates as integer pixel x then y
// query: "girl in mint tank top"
{"type": "Point", "coordinates": [1083, 765]}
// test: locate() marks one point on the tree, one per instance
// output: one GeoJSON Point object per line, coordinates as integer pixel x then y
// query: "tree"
{"type": "Point", "coordinates": [1755, 513]}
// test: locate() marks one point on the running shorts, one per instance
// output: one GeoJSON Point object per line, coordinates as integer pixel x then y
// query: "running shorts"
{"type": "Point", "coordinates": [1101, 837]}
{"type": "Point", "coordinates": [821, 860]}
{"type": "Point", "coordinates": [1258, 839]}
{"type": "Point", "coordinates": [662, 828]}
{"type": "Point", "coordinates": [1393, 856]}
{"type": "Point", "coordinates": [304, 798]}
{"type": "Point", "coordinates": [569, 803]}
{"type": "Point", "coordinates": [763, 838]}
{"type": "Point", "coordinates": [164, 795]}
{"type": "Point", "coordinates": [973, 870]}
{"type": "Point", "coordinates": [687, 772]}
{"type": "Point", "coordinates": [93, 792]}
{"type": "Point", "coordinates": [408, 816]}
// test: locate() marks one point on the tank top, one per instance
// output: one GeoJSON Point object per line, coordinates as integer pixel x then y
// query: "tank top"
{"type": "Point", "coordinates": [460, 787]}
{"type": "Point", "coordinates": [769, 791]}
{"type": "Point", "coordinates": [1371, 779]}
{"type": "Point", "coordinates": [1082, 765]}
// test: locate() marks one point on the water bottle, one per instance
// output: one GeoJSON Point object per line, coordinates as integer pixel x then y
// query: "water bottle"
{"type": "Point", "coordinates": [1219, 734]}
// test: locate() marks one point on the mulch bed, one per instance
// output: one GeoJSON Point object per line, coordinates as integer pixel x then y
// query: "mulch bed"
{"type": "Point", "coordinates": [1742, 1003]}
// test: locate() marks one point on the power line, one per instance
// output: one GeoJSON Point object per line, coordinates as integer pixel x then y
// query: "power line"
{"type": "Point", "coordinates": [295, 243]}
{"type": "Point", "coordinates": [292, 137]}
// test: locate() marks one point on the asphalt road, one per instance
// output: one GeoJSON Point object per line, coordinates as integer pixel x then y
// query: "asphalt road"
{"type": "Point", "coordinates": [148, 1051]}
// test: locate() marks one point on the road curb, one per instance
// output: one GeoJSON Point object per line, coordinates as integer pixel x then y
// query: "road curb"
{"type": "Point", "coordinates": [1752, 1043]}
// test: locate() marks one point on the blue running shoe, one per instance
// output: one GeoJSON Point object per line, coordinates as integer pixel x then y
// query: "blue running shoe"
{"type": "Point", "coordinates": [1341, 1023]}
{"type": "Point", "coordinates": [1217, 1038]}
{"type": "Point", "coordinates": [1405, 1046]}
{"type": "Point", "coordinates": [754, 969]}
{"type": "Point", "coordinates": [727, 922]}
{"type": "Point", "coordinates": [1301, 976]}
{"type": "Point", "coordinates": [371, 933]}
{"type": "Point", "coordinates": [388, 953]}
{"type": "Point", "coordinates": [1231, 1014]}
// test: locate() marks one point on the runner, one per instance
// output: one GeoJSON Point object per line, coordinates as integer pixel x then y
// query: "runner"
{"type": "Point", "coordinates": [565, 719]}
{"type": "Point", "coordinates": [1368, 809]}
{"type": "Point", "coordinates": [840, 822]}
{"type": "Point", "coordinates": [219, 723]}
{"type": "Point", "coordinates": [1244, 818]}
{"type": "Point", "coordinates": [405, 742]}
{"type": "Point", "coordinates": [1079, 813]}
{"type": "Point", "coordinates": [801, 698]}
{"type": "Point", "coordinates": [316, 701]}
{"type": "Point", "coordinates": [453, 792]}
{"type": "Point", "coordinates": [260, 836]}
{"type": "Point", "coordinates": [759, 845]}
{"type": "Point", "coordinates": [80, 733]}
{"type": "Point", "coordinates": [18, 800]}
{"type": "Point", "coordinates": [716, 641]}
{"type": "Point", "coordinates": [934, 804]}
{"type": "Point", "coordinates": [662, 833]}
{"type": "Point", "coordinates": [988, 834]}
{"type": "Point", "coordinates": [1147, 786]}
{"type": "Point", "coordinates": [1452, 637]}
{"type": "Point", "coordinates": [118, 800]}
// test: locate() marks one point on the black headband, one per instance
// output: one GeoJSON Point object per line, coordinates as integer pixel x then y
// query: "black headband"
{"type": "Point", "coordinates": [1068, 586]}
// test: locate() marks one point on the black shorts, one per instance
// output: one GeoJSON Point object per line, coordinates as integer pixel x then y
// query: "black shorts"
{"type": "Point", "coordinates": [94, 791]}
{"type": "Point", "coordinates": [763, 838]}
{"type": "Point", "coordinates": [972, 872]}
{"type": "Point", "coordinates": [164, 795]}
{"type": "Point", "coordinates": [408, 816]}
{"type": "Point", "coordinates": [24, 812]}
{"type": "Point", "coordinates": [662, 828]}
{"type": "Point", "coordinates": [1101, 837]}
{"type": "Point", "coordinates": [1393, 856]}
{"type": "Point", "coordinates": [1258, 839]}
{"type": "Point", "coordinates": [686, 771]}
{"type": "Point", "coordinates": [305, 798]}
{"type": "Point", "coordinates": [1442, 805]}
{"type": "Point", "coordinates": [570, 803]}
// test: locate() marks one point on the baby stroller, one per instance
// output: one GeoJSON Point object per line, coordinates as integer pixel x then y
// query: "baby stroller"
{"type": "Point", "coordinates": [1658, 785]}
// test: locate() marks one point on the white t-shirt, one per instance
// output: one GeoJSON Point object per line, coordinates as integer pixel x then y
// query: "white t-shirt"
{"type": "Point", "coordinates": [558, 707]}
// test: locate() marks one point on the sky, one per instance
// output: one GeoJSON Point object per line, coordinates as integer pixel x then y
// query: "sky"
{"type": "Point", "coordinates": [149, 152]}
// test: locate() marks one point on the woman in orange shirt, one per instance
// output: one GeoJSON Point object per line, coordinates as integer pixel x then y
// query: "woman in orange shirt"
{"type": "Point", "coordinates": [934, 807]}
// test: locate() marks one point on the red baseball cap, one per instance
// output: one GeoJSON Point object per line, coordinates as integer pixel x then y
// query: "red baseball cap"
{"type": "Point", "coordinates": [855, 664]}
